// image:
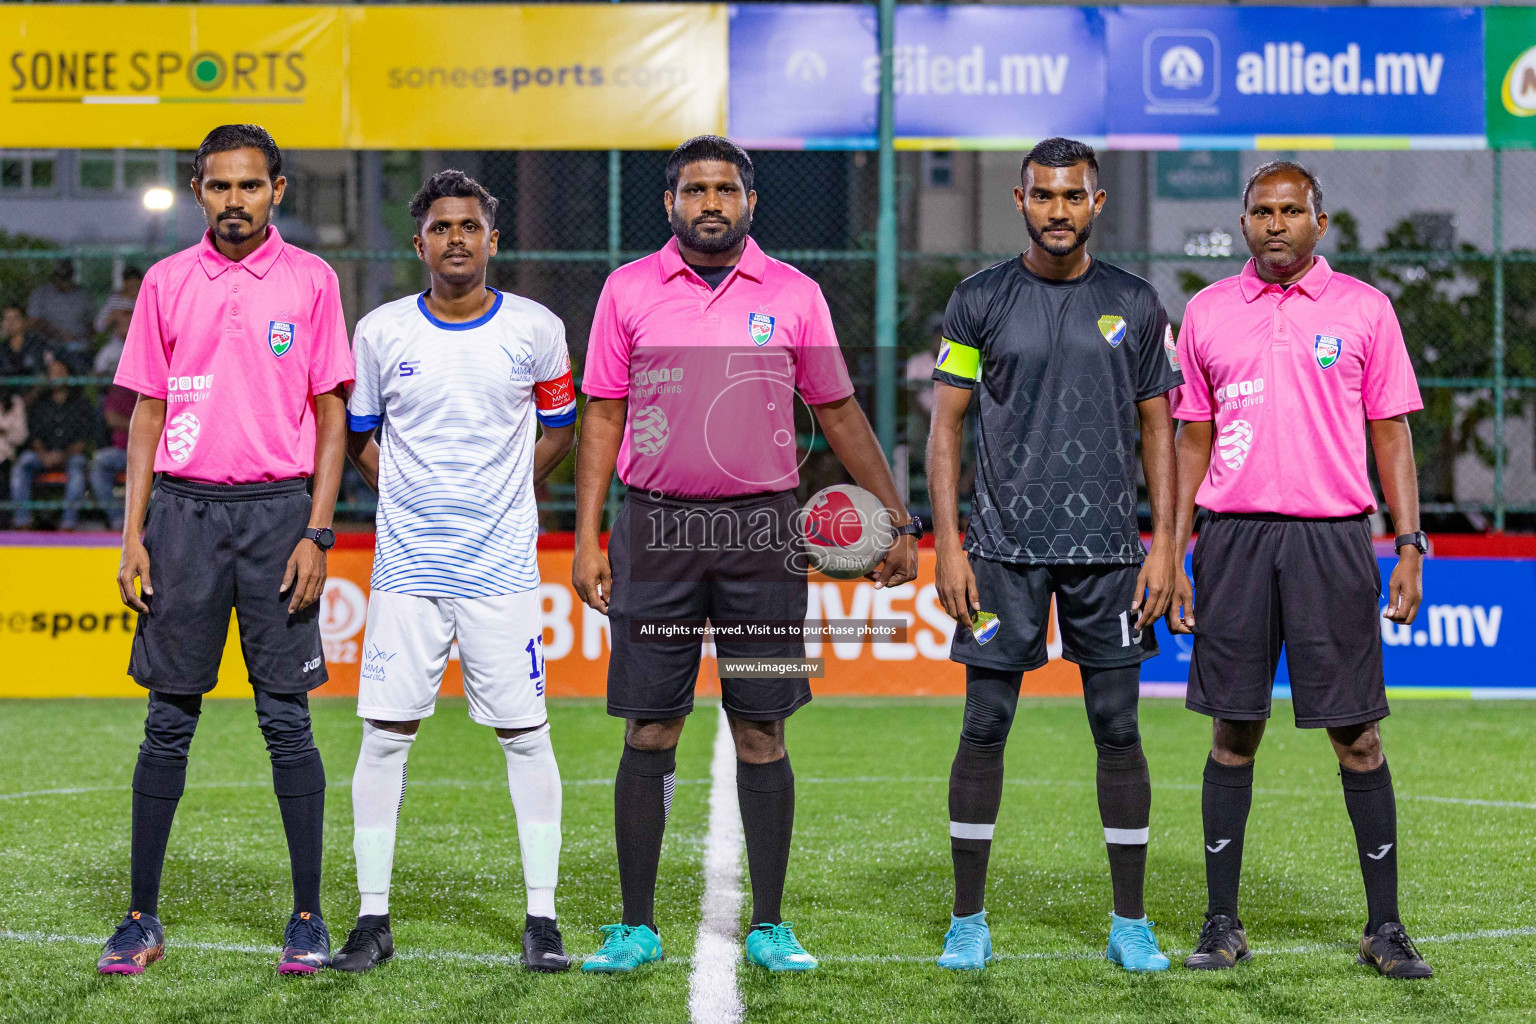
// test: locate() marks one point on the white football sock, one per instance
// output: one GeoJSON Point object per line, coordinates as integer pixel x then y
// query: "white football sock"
{"type": "Point", "coordinates": [378, 790]}
{"type": "Point", "coordinates": [534, 779]}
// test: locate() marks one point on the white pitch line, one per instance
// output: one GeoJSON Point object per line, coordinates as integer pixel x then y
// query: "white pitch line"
{"type": "Point", "coordinates": [713, 995]}
{"type": "Point", "coordinates": [509, 959]}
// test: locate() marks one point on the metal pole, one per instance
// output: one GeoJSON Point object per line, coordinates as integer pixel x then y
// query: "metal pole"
{"type": "Point", "coordinates": [615, 248]}
{"type": "Point", "coordinates": [615, 208]}
{"type": "Point", "coordinates": [885, 247]}
{"type": "Point", "coordinates": [1500, 382]}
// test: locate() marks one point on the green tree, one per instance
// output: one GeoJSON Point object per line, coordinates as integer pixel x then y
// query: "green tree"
{"type": "Point", "coordinates": [19, 275]}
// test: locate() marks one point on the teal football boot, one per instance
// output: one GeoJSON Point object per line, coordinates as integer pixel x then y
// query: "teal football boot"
{"type": "Point", "coordinates": [1133, 946]}
{"type": "Point", "coordinates": [775, 947]}
{"type": "Point", "coordinates": [624, 948]}
{"type": "Point", "coordinates": [967, 944]}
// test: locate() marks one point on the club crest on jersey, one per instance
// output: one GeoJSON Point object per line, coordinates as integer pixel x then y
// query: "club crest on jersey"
{"type": "Point", "coordinates": [1170, 349]}
{"type": "Point", "coordinates": [761, 326]}
{"type": "Point", "coordinates": [279, 336]}
{"type": "Point", "coordinates": [984, 626]}
{"type": "Point", "coordinates": [1327, 350]}
{"type": "Point", "coordinates": [1113, 329]}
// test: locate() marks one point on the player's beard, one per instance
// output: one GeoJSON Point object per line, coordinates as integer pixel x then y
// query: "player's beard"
{"type": "Point", "coordinates": [237, 227]}
{"type": "Point", "coordinates": [689, 236]}
{"type": "Point", "coordinates": [1037, 237]}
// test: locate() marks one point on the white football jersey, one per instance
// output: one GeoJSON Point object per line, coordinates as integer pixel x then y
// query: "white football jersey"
{"type": "Point", "coordinates": [457, 401]}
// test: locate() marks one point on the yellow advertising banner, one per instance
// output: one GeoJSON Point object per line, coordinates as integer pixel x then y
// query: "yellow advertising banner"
{"type": "Point", "coordinates": [64, 633]}
{"type": "Point", "coordinates": [160, 75]}
{"type": "Point", "coordinates": [588, 76]}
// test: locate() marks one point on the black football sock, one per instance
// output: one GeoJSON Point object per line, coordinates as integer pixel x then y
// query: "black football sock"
{"type": "Point", "coordinates": [1125, 807]}
{"type": "Point", "coordinates": [300, 788]}
{"type": "Point", "coordinates": [1225, 799]}
{"type": "Point", "coordinates": [642, 798]}
{"type": "Point", "coordinates": [158, 783]}
{"type": "Point", "coordinates": [766, 793]}
{"type": "Point", "coordinates": [975, 793]}
{"type": "Point", "coordinates": [1373, 811]}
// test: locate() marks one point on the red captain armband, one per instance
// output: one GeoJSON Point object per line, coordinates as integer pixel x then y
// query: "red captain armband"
{"type": "Point", "coordinates": [556, 400]}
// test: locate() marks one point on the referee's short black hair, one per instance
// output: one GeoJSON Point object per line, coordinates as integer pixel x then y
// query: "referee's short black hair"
{"type": "Point", "coordinates": [452, 184]}
{"type": "Point", "coordinates": [1060, 152]}
{"type": "Point", "coordinates": [1275, 167]}
{"type": "Point", "coordinates": [228, 137]}
{"type": "Point", "coordinates": [708, 147]}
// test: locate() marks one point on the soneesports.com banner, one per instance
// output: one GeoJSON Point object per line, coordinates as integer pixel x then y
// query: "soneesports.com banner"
{"type": "Point", "coordinates": [985, 76]}
{"type": "Point", "coordinates": [589, 76]}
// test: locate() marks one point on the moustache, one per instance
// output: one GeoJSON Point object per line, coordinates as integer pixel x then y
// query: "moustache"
{"type": "Point", "coordinates": [711, 220]}
{"type": "Point", "coordinates": [234, 215]}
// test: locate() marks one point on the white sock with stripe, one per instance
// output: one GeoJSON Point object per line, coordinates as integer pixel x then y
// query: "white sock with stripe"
{"type": "Point", "coordinates": [378, 790]}
{"type": "Point", "coordinates": [533, 777]}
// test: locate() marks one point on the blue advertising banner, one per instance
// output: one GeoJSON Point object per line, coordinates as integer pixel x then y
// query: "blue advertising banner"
{"type": "Point", "coordinates": [1247, 73]}
{"type": "Point", "coordinates": [1466, 642]}
{"type": "Point", "coordinates": [798, 75]}
{"type": "Point", "coordinates": [807, 75]}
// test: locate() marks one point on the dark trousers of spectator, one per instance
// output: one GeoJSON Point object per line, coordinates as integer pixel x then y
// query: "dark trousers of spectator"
{"type": "Point", "coordinates": [106, 466]}
{"type": "Point", "coordinates": [28, 466]}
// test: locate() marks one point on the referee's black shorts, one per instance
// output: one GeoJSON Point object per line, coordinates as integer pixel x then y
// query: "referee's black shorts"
{"type": "Point", "coordinates": [729, 560]}
{"type": "Point", "coordinates": [213, 549]}
{"type": "Point", "coordinates": [1312, 586]}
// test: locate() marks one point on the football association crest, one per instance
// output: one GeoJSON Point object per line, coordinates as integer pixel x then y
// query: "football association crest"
{"type": "Point", "coordinates": [1327, 350]}
{"type": "Point", "coordinates": [279, 336]}
{"type": "Point", "coordinates": [984, 626]}
{"type": "Point", "coordinates": [761, 326]}
{"type": "Point", "coordinates": [1113, 329]}
{"type": "Point", "coordinates": [1170, 349]}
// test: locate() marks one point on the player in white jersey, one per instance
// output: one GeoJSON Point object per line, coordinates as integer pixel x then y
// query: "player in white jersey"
{"type": "Point", "coordinates": [455, 377]}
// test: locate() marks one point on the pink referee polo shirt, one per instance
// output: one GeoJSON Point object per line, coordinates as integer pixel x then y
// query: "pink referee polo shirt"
{"type": "Point", "coordinates": [238, 351]}
{"type": "Point", "coordinates": [713, 378]}
{"type": "Point", "coordinates": [1289, 377]}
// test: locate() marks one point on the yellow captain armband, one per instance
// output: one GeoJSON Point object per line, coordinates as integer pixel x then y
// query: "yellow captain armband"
{"type": "Point", "coordinates": [959, 360]}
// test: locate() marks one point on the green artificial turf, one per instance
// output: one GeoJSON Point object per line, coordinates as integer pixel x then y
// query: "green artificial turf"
{"type": "Point", "coordinates": [869, 886]}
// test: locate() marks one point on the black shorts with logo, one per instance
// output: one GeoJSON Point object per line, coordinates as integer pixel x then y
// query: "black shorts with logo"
{"type": "Point", "coordinates": [1311, 586]}
{"type": "Point", "coordinates": [214, 548]}
{"type": "Point", "coordinates": [1093, 610]}
{"type": "Point", "coordinates": [687, 559]}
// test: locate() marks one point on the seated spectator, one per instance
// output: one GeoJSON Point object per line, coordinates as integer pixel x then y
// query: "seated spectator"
{"type": "Point", "coordinates": [60, 423]}
{"type": "Point", "coordinates": [23, 352]}
{"type": "Point", "coordinates": [61, 308]}
{"type": "Point", "coordinates": [112, 320]}
{"type": "Point", "coordinates": [13, 428]}
{"type": "Point", "coordinates": [108, 463]}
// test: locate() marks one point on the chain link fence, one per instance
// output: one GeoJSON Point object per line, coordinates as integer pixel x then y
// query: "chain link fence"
{"type": "Point", "coordinates": [1451, 237]}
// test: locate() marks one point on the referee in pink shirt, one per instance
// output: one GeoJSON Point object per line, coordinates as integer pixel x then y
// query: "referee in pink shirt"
{"type": "Point", "coordinates": [699, 357]}
{"type": "Point", "coordinates": [1284, 366]}
{"type": "Point", "coordinates": [239, 355]}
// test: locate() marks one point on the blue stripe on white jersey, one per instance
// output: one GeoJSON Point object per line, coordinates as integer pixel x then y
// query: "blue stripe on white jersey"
{"type": "Point", "coordinates": [456, 516]}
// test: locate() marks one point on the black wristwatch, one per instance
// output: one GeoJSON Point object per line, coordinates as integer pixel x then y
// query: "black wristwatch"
{"type": "Point", "coordinates": [1418, 539]}
{"type": "Point", "coordinates": [324, 538]}
{"type": "Point", "coordinates": [914, 528]}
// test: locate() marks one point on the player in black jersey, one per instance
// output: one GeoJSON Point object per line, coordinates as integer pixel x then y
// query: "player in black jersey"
{"type": "Point", "coordinates": [1068, 354]}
